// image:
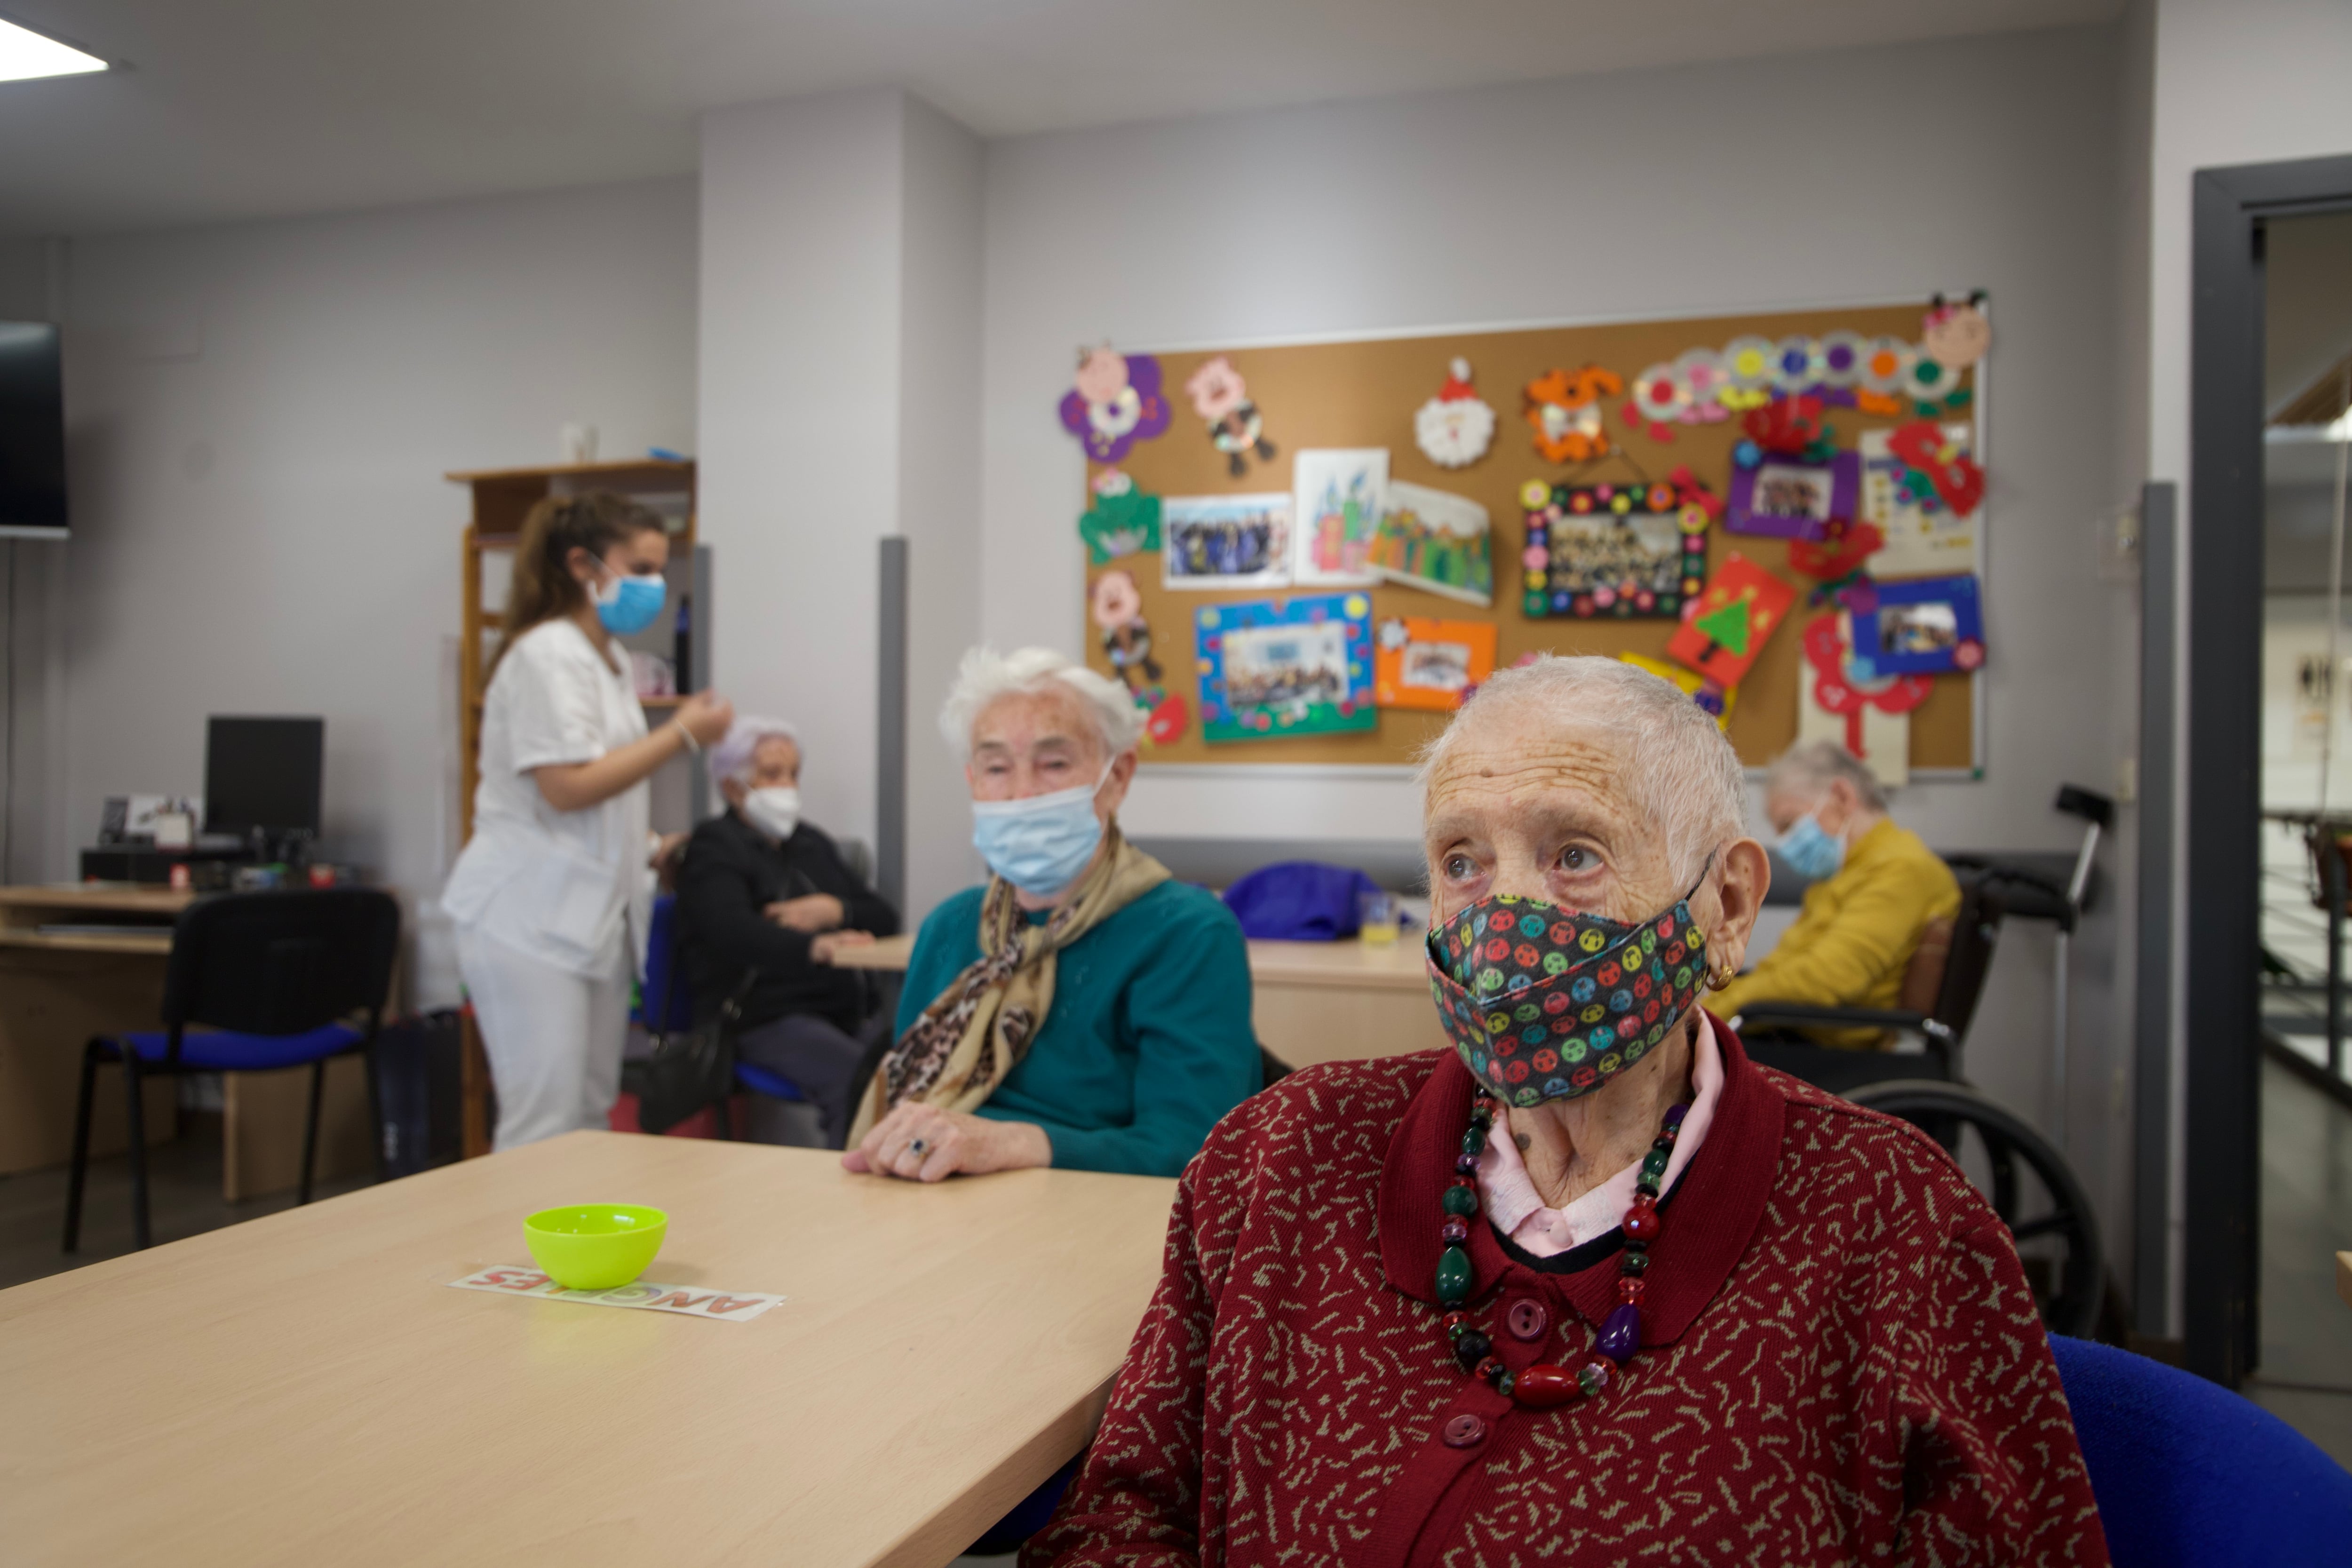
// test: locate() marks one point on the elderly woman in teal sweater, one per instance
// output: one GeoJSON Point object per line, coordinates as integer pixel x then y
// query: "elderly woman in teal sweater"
{"type": "Point", "coordinates": [1082, 1008]}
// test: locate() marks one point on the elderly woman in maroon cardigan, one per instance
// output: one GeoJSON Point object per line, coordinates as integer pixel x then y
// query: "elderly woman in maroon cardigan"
{"type": "Point", "coordinates": [1591, 1288]}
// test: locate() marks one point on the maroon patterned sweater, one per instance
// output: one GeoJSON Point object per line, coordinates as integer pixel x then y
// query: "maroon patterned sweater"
{"type": "Point", "coordinates": [1840, 1361]}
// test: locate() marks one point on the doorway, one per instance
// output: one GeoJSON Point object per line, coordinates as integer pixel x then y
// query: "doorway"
{"type": "Point", "coordinates": [2267, 792]}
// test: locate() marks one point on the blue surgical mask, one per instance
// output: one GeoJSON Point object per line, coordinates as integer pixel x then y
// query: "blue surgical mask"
{"type": "Point", "coordinates": [628, 604]}
{"type": "Point", "coordinates": [1810, 850]}
{"type": "Point", "coordinates": [1040, 844]}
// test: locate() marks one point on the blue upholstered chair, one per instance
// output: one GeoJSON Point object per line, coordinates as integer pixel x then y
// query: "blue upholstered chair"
{"type": "Point", "coordinates": [2189, 1474]}
{"type": "Point", "coordinates": [278, 979]}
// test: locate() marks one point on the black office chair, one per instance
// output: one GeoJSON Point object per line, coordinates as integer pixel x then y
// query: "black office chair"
{"type": "Point", "coordinates": [275, 976]}
{"type": "Point", "coordinates": [1941, 988]}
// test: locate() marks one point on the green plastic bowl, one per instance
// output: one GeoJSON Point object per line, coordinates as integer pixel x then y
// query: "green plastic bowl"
{"type": "Point", "coordinates": [594, 1247]}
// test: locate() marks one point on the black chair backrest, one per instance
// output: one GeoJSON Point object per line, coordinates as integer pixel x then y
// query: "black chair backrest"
{"type": "Point", "coordinates": [1975, 930]}
{"type": "Point", "coordinates": [282, 963]}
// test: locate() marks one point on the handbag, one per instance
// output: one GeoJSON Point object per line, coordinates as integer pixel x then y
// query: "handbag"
{"type": "Point", "coordinates": [688, 1068]}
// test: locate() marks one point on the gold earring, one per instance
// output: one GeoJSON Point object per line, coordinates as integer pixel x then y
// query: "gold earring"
{"type": "Point", "coordinates": [1718, 979]}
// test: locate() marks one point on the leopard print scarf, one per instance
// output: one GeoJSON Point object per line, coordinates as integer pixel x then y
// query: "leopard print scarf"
{"type": "Point", "coordinates": [977, 1030]}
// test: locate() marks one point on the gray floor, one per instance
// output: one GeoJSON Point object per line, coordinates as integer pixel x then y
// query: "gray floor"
{"type": "Point", "coordinates": [2306, 1376]}
{"type": "Point", "coordinates": [183, 1184]}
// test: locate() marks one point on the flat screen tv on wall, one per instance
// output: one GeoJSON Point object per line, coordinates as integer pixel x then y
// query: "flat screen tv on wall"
{"type": "Point", "coordinates": [32, 432]}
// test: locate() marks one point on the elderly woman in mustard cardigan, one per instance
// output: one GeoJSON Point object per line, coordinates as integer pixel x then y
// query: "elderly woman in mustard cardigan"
{"type": "Point", "coordinates": [1590, 1287]}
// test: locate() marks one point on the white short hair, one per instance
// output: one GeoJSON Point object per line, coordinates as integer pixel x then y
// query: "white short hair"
{"type": "Point", "coordinates": [1809, 767]}
{"type": "Point", "coordinates": [731, 757]}
{"type": "Point", "coordinates": [986, 674]}
{"type": "Point", "coordinates": [1682, 774]}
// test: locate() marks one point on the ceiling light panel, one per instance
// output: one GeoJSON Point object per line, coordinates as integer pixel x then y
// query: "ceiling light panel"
{"type": "Point", "coordinates": [24, 53]}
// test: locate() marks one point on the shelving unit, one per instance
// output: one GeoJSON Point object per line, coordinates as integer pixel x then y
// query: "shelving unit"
{"type": "Point", "coordinates": [502, 498]}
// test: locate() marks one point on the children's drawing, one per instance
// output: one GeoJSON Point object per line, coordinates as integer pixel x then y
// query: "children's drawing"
{"type": "Point", "coordinates": [1435, 541]}
{"type": "Point", "coordinates": [1338, 496]}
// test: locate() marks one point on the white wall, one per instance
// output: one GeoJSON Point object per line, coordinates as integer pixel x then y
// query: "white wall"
{"type": "Point", "coordinates": [1600, 197]}
{"type": "Point", "coordinates": [259, 417]}
{"type": "Point", "coordinates": [839, 360]}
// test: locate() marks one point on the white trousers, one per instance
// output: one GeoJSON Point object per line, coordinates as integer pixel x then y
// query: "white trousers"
{"type": "Point", "coordinates": [553, 1038]}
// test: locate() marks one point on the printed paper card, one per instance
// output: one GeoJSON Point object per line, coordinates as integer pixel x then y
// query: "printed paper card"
{"type": "Point", "coordinates": [1431, 664]}
{"type": "Point", "coordinates": [1225, 542]}
{"type": "Point", "coordinates": [644, 1296]}
{"type": "Point", "coordinates": [1925, 537]}
{"type": "Point", "coordinates": [1726, 626]}
{"type": "Point", "coordinates": [1435, 542]}
{"type": "Point", "coordinates": [1271, 668]}
{"type": "Point", "coordinates": [1340, 494]}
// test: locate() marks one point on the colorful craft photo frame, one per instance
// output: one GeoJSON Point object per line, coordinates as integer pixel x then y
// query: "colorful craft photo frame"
{"type": "Point", "coordinates": [1925, 625]}
{"type": "Point", "coordinates": [1628, 551]}
{"type": "Point", "coordinates": [1432, 664]}
{"type": "Point", "coordinates": [1272, 667]}
{"type": "Point", "coordinates": [1786, 498]}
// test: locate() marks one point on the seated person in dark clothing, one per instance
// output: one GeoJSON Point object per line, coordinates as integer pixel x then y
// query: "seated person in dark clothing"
{"type": "Point", "coordinates": [765, 898]}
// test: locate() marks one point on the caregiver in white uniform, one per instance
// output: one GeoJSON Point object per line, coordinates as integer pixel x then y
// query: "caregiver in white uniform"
{"type": "Point", "coordinates": [551, 894]}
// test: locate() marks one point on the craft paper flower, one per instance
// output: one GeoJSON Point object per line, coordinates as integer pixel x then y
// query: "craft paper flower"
{"type": "Point", "coordinates": [1887, 367]}
{"type": "Point", "coordinates": [1115, 404]}
{"type": "Point", "coordinates": [1702, 374]}
{"type": "Point", "coordinates": [1455, 428]}
{"type": "Point", "coordinates": [1846, 546]}
{"type": "Point", "coordinates": [1960, 481]}
{"type": "Point", "coordinates": [1564, 408]}
{"type": "Point", "coordinates": [1843, 354]}
{"type": "Point", "coordinates": [1787, 425]}
{"type": "Point", "coordinates": [1796, 364]}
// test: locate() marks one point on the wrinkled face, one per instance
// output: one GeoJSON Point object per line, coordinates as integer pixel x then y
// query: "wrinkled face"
{"type": "Point", "coordinates": [1527, 805]}
{"type": "Point", "coordinates": [1034, 742]}
{"type": "Point", "coordinates": [1102, 375]}
{"type": "Point", "coordinates": [1115, 600]}
{"type": "Point", "coordinates": [775, 762]}
{"type": "Point", "coordinates": [1956, 336]}
{"type": "Point", "coordinates": [1834, 802]}
{"type": "Point", "coordinates": [1216, 389]}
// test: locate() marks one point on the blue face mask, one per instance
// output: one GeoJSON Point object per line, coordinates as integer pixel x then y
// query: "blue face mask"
{"type": "Point", "coordinates": [1040, 844]}
{"type": "Point", "coordinates": [1810, 850]}
{"type": "Point", "coordinates": [629, 605]}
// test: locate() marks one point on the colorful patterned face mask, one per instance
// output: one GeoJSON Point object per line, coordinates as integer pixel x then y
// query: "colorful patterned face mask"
{"type": "Point", "coordinates": [1545, 1003]}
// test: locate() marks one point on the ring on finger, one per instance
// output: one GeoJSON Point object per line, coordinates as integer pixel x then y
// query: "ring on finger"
{"type": "Point", "coordinates": [920, 1146]}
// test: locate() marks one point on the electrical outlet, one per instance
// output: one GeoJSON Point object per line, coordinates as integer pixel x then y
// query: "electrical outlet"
{"type": "Point", "coordinates": [2127, 780]}
{"type": "Point", "coordinates": [2119, 553]}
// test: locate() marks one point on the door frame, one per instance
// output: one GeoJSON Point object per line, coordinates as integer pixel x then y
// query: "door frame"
{"type": "Point", "coordinates": [2221, 904]}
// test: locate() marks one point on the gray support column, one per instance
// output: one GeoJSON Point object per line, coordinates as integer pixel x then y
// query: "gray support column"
{"type": "Point", "coordinates": [890, 727]}
{"type": "Point", "coordinates": [2152, 1004]}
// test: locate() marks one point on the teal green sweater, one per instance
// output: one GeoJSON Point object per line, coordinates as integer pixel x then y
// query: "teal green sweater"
{"type": "Point", "coordinates": [1149, 1040]}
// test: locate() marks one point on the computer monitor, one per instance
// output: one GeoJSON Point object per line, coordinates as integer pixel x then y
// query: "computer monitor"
{"type": "Point", "coordinates": [262, 775]}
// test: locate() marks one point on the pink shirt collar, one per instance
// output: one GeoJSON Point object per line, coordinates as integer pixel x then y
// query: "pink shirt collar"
{"type": "Point", "coordinates": [1511, 1203]}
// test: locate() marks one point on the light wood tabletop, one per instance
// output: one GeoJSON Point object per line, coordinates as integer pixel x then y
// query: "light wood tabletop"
{"type": "Point", "coordinates": [1390, 966]}
{"type": "Point", "coordinates": [2343, 1277]}
{"type": "Point", "coordinates": [303, 1388]}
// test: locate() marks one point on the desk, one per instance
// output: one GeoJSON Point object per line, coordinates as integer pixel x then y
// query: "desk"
{"type": "Point", "coordinates": [56, 992]}
{"type": "Point", "coordinates": [302, 1389]}
{"type": "Point", "coordinates": [1313, 1001]}
{"type": "Point", "coordinates": [2343, 1277]}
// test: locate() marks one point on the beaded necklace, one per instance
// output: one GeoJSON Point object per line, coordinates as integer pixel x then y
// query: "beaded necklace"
{"type": "Point", "coordinates": [1541, 1385]}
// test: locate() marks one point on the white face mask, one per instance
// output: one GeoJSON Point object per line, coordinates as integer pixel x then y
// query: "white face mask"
{"type": "Point", "coordinates": [774, 810]}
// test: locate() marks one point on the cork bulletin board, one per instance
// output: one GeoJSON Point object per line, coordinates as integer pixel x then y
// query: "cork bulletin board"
{"type": "Point", "coordinates": [1365, 394]}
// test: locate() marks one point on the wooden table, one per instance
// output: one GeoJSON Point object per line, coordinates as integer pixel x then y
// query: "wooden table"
{"type": "Point", "coordinates": [56, 992]}
{"type": "Point", "coordinates": [302, 1389]}
{"type": "Point", "coordinates": [1312, 1001]}
{"type": "Point", "coordinates": [2343, 1277]}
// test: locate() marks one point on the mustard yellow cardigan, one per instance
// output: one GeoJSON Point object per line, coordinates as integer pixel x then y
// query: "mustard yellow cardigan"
{"type": "Point", "coordinates": [1857, 933]}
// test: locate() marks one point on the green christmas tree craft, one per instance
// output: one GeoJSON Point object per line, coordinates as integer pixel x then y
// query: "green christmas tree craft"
{"type": "Point", "coordinates": [1728, 627]}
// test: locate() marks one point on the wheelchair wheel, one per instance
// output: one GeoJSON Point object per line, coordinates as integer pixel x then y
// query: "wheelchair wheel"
{"type": "Point", "coordinates": [2071, 1304]}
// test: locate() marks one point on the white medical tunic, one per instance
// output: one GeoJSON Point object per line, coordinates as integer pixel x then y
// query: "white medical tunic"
{"type": "Point", "coordinates": [570, 888]}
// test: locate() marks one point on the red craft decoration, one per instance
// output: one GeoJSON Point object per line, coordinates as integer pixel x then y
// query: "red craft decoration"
{"type": "Point", "coordinates": [1825, 651]}
{"type": "Point", "coordinates": [1726, 627]}
{"type": "Point", "coordinates": [1169, 721]}
{"type": "Point", "coordinates": [1956, 476]}
{"type": "Point", "coordinates": [1786, 426]}
{"type": "Point", "coordinates": [1846, 546]}
{"type": "Point", "coordinates": [1692, 490]}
